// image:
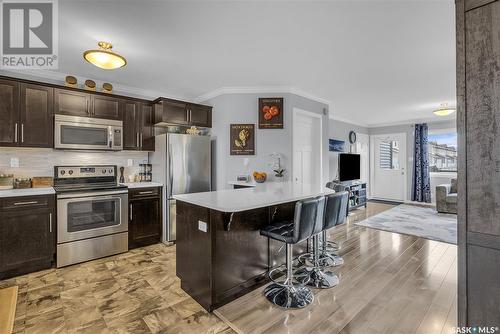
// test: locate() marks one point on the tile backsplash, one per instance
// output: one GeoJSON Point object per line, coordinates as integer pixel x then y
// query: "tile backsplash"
{"type": "Point", "coordinates": [41, 161]}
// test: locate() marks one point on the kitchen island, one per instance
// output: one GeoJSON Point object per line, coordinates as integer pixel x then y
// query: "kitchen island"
{"type": "Point", "coordinates": [220, 254]}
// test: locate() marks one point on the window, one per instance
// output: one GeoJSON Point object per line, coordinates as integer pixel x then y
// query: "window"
{"type": "Point", "coordinates": [389, 155]}
{"type": "Point", "coordinates": [443, 152]}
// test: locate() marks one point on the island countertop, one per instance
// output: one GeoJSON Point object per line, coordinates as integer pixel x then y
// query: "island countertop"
{"type": "Point", "coordinates": [263, 195]}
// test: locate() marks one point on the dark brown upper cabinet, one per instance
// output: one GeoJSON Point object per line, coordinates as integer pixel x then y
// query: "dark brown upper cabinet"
{"type": "Point", "coordinates": [200, 115]}
{"type": "Point", "coordinates": [9, 112]}
{"type": "Point", "coordinates": [26, 114]}
{"type": "Point", "coordinates": [74, 103]}
{"type": "Point", "coordinates": [174, 112]}
{"type": "Point", "coordinates": [107, 107]}
{"type": "Point", "coordinates": [138, 130]}
{"type": "Point", "coordinates": [37, 105]}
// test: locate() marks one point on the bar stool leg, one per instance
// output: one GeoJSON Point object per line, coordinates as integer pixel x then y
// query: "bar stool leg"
{"type": "Point", "coordinates": [318, 277]}
{"type": "Point", "coordinates": [289, 294]}
{"type": "Point", "coordinates": [331, 259]}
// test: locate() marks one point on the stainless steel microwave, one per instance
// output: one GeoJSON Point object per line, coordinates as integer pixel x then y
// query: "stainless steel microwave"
{"type": "Point", "coordinates": [82, 133]}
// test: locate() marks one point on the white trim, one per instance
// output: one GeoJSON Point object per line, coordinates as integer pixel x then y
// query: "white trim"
{"type": "Point", "coordinates": [57, 78]}
{"type": "Point", "coordinates": [347, 120]}
{"type": "Point", "coordinates": [443, 174]}
{"type": "Point", "coordinates": [372, 164]}
{"type": "Point", "coordinates": [412, 121]}
{"type": "Point", "coordinates": [296, 111]}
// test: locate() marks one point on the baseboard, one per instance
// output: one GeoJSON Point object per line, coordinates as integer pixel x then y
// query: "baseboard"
{"type": "Point", "coordinates": [383, 201]}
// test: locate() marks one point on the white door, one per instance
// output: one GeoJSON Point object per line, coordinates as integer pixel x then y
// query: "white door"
{"type": "Point", "coordinates": [388, 162]}
{"type": "Point", "coordinates": [307, 152]}
{"type": "Point", "coordinates": [363, 149]}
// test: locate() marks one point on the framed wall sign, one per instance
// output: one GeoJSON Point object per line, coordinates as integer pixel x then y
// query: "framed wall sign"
{"type": "Point", "coordinates": [335, 145]}
{"type": "Point", "coordinates": [242, 139]}
{"type": "Point", "coordinates": [271, 113]}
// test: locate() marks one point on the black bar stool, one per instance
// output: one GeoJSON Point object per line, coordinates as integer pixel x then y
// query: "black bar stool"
{"type": "Point", "coordinates": [308, 221]}
{"type": "Point", "coordinates": [314, 273]}
{"type": "Point", "coordinates": [335, 214]}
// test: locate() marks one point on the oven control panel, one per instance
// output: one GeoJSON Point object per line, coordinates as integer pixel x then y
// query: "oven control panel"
{"type": "Point", "coordinates": [65, 172]}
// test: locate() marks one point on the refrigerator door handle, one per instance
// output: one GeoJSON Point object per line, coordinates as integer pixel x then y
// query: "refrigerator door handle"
{"type": "Point", "coordinates": [170, 175]}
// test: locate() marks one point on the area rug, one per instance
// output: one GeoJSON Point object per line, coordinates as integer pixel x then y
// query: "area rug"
{"type": "Point", "coordinates": [416, 220]}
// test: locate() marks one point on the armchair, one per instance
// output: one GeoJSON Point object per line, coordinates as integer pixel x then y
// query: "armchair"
{"type": "Point", "coordinates": [446, 197]}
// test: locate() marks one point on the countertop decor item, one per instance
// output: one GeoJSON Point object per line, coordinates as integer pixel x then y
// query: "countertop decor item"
{"type": "Point", "coordinates": [193, 131]}
{"type": "Point", "coordinates": [90, 85]}
{"type": "Point", "coordinates": [42, 181]}
{"type": "Point", "coordinates": [22, 183]}
{"type": "Point", "coordinates": [6, 181]}
{"type": "Point", "coordinates": [242, 139]}
{"type": "Point", "coordinates": [271, 113]}
{"type": "Point", "coordinates": [71, 81]}
{"type": "Point", "coordinates": [259, 177]}
{"type": "Point", "coordinates": [107, 88]}
{"type": "Point", "coordinates": [122, 179]}
{"type": "Point", "coordinates": [104, 58]}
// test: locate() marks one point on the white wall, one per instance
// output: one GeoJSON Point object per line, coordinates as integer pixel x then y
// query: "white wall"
{"type": "Point", "coordinates": [243, 108]}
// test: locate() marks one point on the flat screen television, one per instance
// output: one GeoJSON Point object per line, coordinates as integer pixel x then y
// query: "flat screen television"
{"type": "Point", "coordinates": [349, 167]}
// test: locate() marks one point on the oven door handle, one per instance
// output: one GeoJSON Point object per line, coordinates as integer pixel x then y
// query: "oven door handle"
{"type": "Point", "coordinates": [91, 195]}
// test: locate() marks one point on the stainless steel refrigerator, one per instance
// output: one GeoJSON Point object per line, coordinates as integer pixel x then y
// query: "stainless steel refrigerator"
{"type": "Point", "coordinates": [183, 164]}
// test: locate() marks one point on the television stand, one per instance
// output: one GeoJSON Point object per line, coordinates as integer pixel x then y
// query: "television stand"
{"type": "Point", "coordinates": [357, 193]}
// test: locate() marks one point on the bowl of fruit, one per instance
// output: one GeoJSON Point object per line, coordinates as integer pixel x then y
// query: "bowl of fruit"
{"type": "Point", "coordinates": [259, 177]}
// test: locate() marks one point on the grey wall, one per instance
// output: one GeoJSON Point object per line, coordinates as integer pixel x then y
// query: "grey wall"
{"type": "Point", "coordinates": [243, 108]}
{"type": "Point", "coordinates": [409, 129]}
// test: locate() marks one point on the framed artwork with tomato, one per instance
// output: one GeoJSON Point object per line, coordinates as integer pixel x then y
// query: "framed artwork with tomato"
{"type": "Point", "coordinates": [271, 113]}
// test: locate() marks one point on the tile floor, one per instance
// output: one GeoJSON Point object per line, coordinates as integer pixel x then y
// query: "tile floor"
{"type": "Point", "coordinates": [135, 292]}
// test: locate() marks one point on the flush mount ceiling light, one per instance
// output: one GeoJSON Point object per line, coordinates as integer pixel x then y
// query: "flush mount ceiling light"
{"type": "Point", "coordinates": [444, 110]}
{"type": "Point", "coordinates": [104, 57]}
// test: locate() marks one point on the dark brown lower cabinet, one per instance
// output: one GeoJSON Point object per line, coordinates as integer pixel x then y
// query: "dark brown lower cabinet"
{"type": "Point", "coordinates": [27, 234]}
{"type": "Point", "coordinates": [145, 217]}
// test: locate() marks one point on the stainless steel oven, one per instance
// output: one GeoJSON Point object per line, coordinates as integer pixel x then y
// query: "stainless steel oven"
{"type": "Point", "coordinates": [92, 213]}
{"type": "Point", "coordinates": [83, 133]}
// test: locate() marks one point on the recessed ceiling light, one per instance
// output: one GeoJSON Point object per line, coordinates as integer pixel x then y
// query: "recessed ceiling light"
{"type": "Point", "coordinates": [104, 58]}
{"type": "Point", "coordinates": [444, 110]}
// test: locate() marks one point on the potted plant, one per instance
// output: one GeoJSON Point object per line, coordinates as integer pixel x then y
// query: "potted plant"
{"type": "Point", "coordinates": [279, 171]}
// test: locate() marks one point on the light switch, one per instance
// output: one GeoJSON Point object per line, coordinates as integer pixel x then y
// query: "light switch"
{"type": "Point", "coordinates": [130, 162]}
{"type": "Point", "coordinates": [202, 226]}
{"type": "Point", "coordinates": [14, 162]}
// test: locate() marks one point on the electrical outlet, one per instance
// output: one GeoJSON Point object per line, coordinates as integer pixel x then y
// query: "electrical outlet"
{"type": "Point", "coordinates": [130, 162]}
{"type": "Point", "coordinates": [202, 226]}
{"type": "Point", "coordinates": [14, 162]}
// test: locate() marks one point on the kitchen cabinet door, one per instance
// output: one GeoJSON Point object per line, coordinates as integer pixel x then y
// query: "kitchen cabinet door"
{"type": "Point", "coordinates": [106, 107]}
{"type": "Point", "coordinates": [68, 102]}
{"type": "Point", "coordinates": [36, 113]}
{"type": "Point", "coordinates": [9, 113]}
{"type": "Point", "coordinates": [147, 137]}
{"type": "Point", "coordinates": [175, 112]}
{"type": "Point", "coordinates": [145, 222]}
{"type": "Point", "coordinates": [27, 236]}
{"type": "Point", "coordinates": [200, 115]}
{"type": "Point", "coordinates": [131, 121]}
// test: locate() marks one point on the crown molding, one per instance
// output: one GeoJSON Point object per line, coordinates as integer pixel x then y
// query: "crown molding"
{"type": "Point", "coordinates": [58, 78]}
{"type": "Point", "coordinates": [435, 119]}
{"type": "Point", "coordinates": [263, 90]}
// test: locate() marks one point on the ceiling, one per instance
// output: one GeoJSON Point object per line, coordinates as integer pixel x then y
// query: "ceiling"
{"type": "Point", "coordinates": [377, 62]}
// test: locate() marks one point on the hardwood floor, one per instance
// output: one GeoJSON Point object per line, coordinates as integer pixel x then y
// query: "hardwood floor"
{"type": "Point", "coordinates": [390, 283]}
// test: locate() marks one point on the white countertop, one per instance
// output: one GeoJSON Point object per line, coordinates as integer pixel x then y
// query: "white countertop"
{"type": "Point", "coordinates": [243, 183]}
{"type": "Point", "coordinates": [136, 185]}
{"type": "Point", "coordinates": [265, 194]}
{"type": "Point", "coordinates": [27, 192]}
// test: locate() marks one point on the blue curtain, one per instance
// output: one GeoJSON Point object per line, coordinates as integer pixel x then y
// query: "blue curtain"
{"type": "Point", "coordinates": [421, 177]}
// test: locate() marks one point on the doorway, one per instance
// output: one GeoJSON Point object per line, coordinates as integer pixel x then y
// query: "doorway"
{"type": "Point", "coordinates": [307, 153]}
{"type": "Point", "coordinates": [388, 167]}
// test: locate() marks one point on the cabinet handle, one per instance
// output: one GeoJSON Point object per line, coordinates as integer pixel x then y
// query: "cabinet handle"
{"type": "Point", "coordinates": [22, 132]}
{"type": "Point", "coordinates": [145, 192]}
{"type": "Point", "coordinates": [50, 222]}
{"type": "Point", "coordinates": [26, 203]}
{"type": "Point", "coordinates": [15, 133]}
{"type": "Point", "coordinates": [141, 139]}
{"type": "Point", "coordinates": [130, 213]}
{"type": "Point", "coordinates": [137, 139]}
{"type": "Point", "coordinates": [87, 106]}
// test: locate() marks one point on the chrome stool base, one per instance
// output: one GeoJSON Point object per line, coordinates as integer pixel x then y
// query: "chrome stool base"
{"type": "Point", "coordinates": [319, 278]}
{"type": "Point", "coordinates": [289, 296]}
